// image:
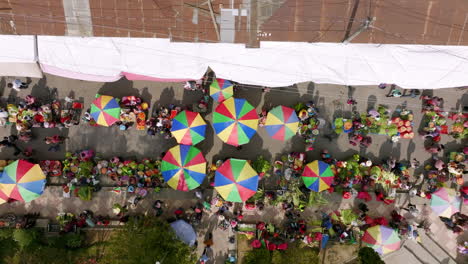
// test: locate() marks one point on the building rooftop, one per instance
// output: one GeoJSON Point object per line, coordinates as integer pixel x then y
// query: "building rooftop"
{"type": "Point", "coordinates": [437, 22]}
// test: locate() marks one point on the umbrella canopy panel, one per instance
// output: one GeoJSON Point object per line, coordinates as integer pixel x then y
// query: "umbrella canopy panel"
{"type": "Point", "coordinates": [105, 110]}
{"type": "Point", "coordinates": [183, 167]}
{"type": "Point", "coordinates": [235, 121]}
{"type": "Point", "coordinates": [382, 239]}
{"type": "Point", "coordinates": [236, 180]}
{"type": "Point", "coordinates": [22, 181]}
{"type": "Point", "coordinates": [188, 128]}
{"type": "Point", "coordinates": [282, 123]}
{"type": "Point", "coordinates": [221, 89]}
{"type": "Point", "coordinates": [317, 176]}
{"type": "Point", "coordinates": [445, 202]}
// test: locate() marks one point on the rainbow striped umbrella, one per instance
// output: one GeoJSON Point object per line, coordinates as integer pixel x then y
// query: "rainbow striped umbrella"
{"type": "Point", "coordinates": [21, 181]}
{"type": "Point", "coordinates": [105, 110]}
{"type": "Point", "coordinates": [221, 89]}
{"type": "Point", "coordinates": [445, 202]}
{"type": "Point", "coordinates": [183, 167]}
{"type": "Point", "coordinates": [235, 180]}
{"type": "Point", "coordinates": [382, 239]}
{"type": "Point", "coordinates": [235, 121]}
{"type": "Point", "coordinates": [317, 176]}
{"type": "Point", "coordinates": [188, 128]}
{"type": "Point", "coordinates": [282, 123]}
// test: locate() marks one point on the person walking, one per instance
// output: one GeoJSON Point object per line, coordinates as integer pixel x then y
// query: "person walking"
{"type": "Point", "coordinates": [17, 84]}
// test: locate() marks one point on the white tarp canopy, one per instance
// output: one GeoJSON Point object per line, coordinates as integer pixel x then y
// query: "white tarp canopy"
{"type": "Point", "coordinates": [18, 57]}
{"type": "Point", "coordinates": [274, 64]}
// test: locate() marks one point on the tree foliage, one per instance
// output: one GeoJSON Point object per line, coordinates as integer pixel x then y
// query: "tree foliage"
{"type": "Point", "coordinates": [141, 241]}
{"type": "Point", "coordinates": [24, 237]}
{"type": "Point", "coordinates": [146, 240]}
{"type": "Point", "coordinates": [257, 256]}
{"type": "Point", "coordinates": [367, 255]}
{"type": "Point", "coordinates": [294, 254]}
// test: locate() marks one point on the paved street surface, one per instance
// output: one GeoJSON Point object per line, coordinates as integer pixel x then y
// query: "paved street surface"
{"type": "Point", "coordinates": [331, 100]}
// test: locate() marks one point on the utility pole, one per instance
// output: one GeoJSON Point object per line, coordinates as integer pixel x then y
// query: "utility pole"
{"type": "Point", "coordinates": [363, 28]}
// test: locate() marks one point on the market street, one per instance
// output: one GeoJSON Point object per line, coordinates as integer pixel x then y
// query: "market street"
{"type": "Point", "coordinates": [331, 103]}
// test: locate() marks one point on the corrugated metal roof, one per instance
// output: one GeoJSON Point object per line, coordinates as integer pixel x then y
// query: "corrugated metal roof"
{"type": "Point", "coordinates": [397, 21]}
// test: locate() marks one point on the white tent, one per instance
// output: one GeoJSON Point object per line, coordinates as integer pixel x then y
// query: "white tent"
{"type": "Point", "coordinates": [18, 57]}
{"type": "Point", "coordinates": [273, 64]}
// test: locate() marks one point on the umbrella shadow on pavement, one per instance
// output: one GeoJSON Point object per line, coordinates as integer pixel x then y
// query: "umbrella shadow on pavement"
{"type": "Point", "coordinates": [206, 145]}
{"type": "Point", "coordinates": [253, 94]}
{"type": "Point", "coordinates": [287, 96]}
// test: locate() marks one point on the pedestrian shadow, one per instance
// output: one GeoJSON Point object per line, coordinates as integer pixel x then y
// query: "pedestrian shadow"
{"type": "Point", "coordinates": [410, 150]}
{"type": "Point", "coordinates": [119, 89]}
{"type": "Point", "coordinates": [371, 102]}
{"type": "Point", "coordinates": [460, 105]}
{"type": "Point", "coordinates": [2, 85]}
{"type": "Point", "coordinates": [389, 149]}
{"type": "Point", "coordinates": [40, 90]}
{"type": "Point", "coordinates": [146, 96]}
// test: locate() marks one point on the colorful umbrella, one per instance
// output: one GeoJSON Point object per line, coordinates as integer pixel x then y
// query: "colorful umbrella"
{"type": "Point", "coordinates": [22, 181]}
{"type": "Point", "coordinates": [382, 239]}
{"type": "Point", "coordinates": [221, 89]}
{"type": "Point", "coordinates": [235, 180]}
{"type": "Point", "coordinates": [281, 123]}
{"type": "Point", "coordinates": [188, 128]}
{"type": "Point", "coordinates": [235, 121]}
{"type": "Point", "coordinates": [105, 110]}
{"type": "Point", "coordinates": [445, 202]}
{"type": "Point", "coordinates": [317, 176]}
{"type": "Point", "coordinates": [183, 167]}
